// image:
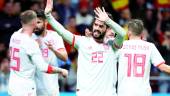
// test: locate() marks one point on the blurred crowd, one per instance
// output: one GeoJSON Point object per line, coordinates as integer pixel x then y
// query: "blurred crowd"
{"type": "Point", "coordinates": [77, 16]}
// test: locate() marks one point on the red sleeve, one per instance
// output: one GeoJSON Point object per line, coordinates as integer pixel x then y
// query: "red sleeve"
{"type": "Point", "coordinates": [118, 47]}
{"type": "Point", "coordinates": [49, 27]}
{"type": "Point", "coordinates": [73, 42]}
{"type": "Point", "coordinates": [50, 69]}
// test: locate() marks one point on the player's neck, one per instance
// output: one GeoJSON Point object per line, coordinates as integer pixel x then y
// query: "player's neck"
{"type": "Point", "coordinates": [134, 38]}
{"type": "Point", "coordinates": [44, 33]}
{"type": "Point", "coordinates": [98, 40]}
{"type": "Point", "coordinates": [27, 30]}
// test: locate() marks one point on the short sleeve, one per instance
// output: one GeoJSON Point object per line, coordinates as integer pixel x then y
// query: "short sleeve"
{"type": "Point", "coordinates": [156, 57]}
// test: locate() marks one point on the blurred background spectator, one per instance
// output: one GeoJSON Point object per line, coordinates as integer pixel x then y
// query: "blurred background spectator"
{"type": "Point", "coordinates": [4, 74]}
{"type": "Point", "coordinates": [165, 51]}
{"type": "Point", "coordinates": [9, 20]}
{"type": "Point", "coordinates": [83, 16]}
{"type": "Point", "coordinates": [64, 10]}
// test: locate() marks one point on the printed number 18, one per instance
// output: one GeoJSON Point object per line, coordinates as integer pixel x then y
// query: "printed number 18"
{"type": "Point", "coordinates": [135, 62]}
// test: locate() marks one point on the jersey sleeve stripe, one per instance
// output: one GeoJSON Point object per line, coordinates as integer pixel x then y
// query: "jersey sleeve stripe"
{"type": "Point", "coordinates": [118, 47]}
{"type": "Point", "coordinates": [73, 42]}
{"type": "Point", "coordinates": [157, 65]}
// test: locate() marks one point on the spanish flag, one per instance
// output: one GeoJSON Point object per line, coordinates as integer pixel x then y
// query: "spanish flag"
{"type": "Point", "coordinates": [120, 4]}
{"type": "Point", "coordinates": [162, 3]}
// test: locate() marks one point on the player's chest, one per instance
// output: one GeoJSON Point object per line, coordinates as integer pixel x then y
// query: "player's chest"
{"type": "Point", "coordinates": [43, 42]}
{"type": "Point", "coordinates": [44, 46]}
{"type": "Point", "coordinates": [97, 47]}
{"type": "Point", "coordinates": [97, 50]}
{"type": "Point", "coordinates": [97, 54]}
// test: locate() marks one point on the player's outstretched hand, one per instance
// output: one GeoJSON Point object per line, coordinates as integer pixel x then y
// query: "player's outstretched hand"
{"type": "Point", "coordinates": [49, 6]}
{"type": "Point", "coordinates": [64, 72]}
{"type": "Point", "coordinates": [49, 45]}
{"type": "Point", "coordinates": [101, 14]}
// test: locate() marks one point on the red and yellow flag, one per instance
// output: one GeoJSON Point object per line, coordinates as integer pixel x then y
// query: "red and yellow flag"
{"type": "Point", "coordinates": [120, 4]}
{"type": "Point", "coordinates": [162, 3]}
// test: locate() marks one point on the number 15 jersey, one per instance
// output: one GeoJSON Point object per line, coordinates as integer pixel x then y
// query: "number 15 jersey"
{"type": "Point", "coordinates": [135, 59]}
{"type": "Point", "coordinates": [25, 58]}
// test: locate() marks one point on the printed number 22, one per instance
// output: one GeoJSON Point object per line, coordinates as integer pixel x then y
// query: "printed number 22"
{"type": "Point", "coordinates": [15, 65]}
{"type": "Point", "coordinates": [136, 61]}
{"type": "Point", "coordinates": [97, 57]}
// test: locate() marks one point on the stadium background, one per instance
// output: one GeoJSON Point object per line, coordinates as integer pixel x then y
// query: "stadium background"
{"type": "Point", "coordinates": [76, 15]}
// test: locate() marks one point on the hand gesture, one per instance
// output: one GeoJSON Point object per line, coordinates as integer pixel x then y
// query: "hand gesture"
{"type": "Point", "coordinates": [64, 72]}
{"type": "Point", "coordinates": [49, 45]}
{"type": "Point", "coordinates": [101, 14]}
{"type": "Point", "coordinates": [49, 6]}
{"type": "Point", "coordinates": [39, 42]}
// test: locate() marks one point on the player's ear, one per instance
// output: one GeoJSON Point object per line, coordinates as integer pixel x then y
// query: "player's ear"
{"type": "Point", "coordinates": [142, 35]}
{"type": "Point", "coordinates": [46, 22]}
{"type": "Point", "coordinates": [129, 33]}
{"type": "Point", "coordinates": [34, 22]}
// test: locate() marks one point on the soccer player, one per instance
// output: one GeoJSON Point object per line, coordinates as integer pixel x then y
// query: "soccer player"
{"type": "Point", "coordinates": [52, 48]}
{"type": "Point", "coordinates": [135, 59]}
{"type": "Point", "coordinates": [26, 58]}
{"type": "Point", "coordinates": [96, 73]}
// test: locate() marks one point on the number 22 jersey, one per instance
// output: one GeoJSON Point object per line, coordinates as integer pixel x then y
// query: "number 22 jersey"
{"type": "Point", "coordinates": [97, 73]}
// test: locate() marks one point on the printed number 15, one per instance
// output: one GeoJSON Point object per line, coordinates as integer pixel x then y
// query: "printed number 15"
{"type": "Point", "coordinates": [15, 65]}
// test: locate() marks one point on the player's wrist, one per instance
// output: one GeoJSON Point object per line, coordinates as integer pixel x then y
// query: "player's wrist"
{"type": "Point", "coordinates": [48, 14]}
{"type": "Point", "coordinates": [108, 20]}
{"type": "Point", "coordinates": [58, 70]}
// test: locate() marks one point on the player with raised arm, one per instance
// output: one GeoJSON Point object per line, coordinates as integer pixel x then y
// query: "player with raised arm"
{"type": "Point", "coordinates": [96, 73]}
{"type": "Point", "coordinates": [52, 48]}
{"type": "Point", "coordinates": [135, 59]}
{"type": "Point", "coordinates": [26, 58]}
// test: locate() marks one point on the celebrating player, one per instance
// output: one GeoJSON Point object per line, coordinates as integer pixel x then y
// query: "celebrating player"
{"type": "Point", "coordinates": [96, 73]}
{"type": "Point", "coordinates": [135, 59]}
{"type": "Point", "coordinates": [52, 47]}
{"type": "Point", "coordinates": [26, 58]}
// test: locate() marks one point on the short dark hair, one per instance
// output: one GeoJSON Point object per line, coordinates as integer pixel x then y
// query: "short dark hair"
{"type": "Point", "coordinates": [40, 14]}
{"type": "Point", "coordinates": [136, 26]}
{"type": "Point", "coordinates": [27, 16]}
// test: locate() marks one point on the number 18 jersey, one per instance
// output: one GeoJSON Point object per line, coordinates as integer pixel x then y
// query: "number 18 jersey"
{"type": "Point", "coordinates": [135, 59]}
